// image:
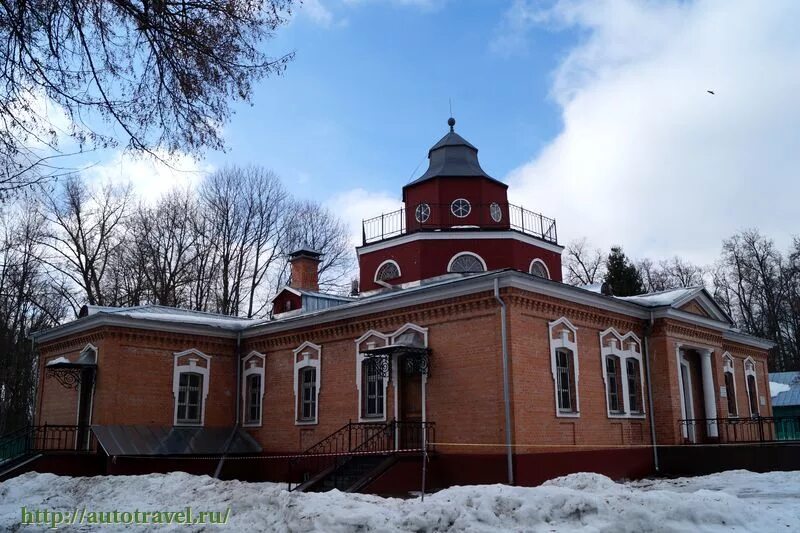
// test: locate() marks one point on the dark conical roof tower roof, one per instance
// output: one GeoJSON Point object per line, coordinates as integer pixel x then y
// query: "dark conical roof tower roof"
{"type": "Point", "coordinates": [452, 156]}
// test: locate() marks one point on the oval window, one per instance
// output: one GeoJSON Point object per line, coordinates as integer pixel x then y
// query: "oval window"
{"type": "Point", "coordinates": [496, 212]}
{"type": "Point", "coordinates": [422, 213]}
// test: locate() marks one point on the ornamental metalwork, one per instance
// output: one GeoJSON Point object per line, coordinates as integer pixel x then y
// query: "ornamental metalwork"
{"type": "Point", "coordinates": [71, 377]}
{"type": "Point", "coordinates": [381, 363]}
{"type": "Point", "coordinates": [416, 363]}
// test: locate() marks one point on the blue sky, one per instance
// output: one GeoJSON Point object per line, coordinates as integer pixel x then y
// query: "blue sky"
{"type": "Point", "coordinates": [368, 91]}
{"type": "Point", "coordinates": [595, 112]}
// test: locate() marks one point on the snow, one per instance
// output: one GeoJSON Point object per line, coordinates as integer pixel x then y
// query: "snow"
{"type": "Point", "coordinates": [58, 360]}
{"type": "Point", "coordinates": [729, 501]}
{"type": "Point", "coordinates": [777, 388]}
{"type": "Point", "coordinates": [657, 299]}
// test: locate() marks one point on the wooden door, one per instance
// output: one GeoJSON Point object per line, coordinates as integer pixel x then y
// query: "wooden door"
{"type": "Point", "coordinates": [85, 408]}
{"type": "Point", "coordinates": [410, 408]}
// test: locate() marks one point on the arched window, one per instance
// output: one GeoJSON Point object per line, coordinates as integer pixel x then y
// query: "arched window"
{"type": "Point", "coordinates": [621, 361]}
{"type": "Point", "coordinates": [730, 384]}
{"type": "Point", "coordinates": [752, 385]}
{"type": "Point", "coordinates": [539, 269]}
{"type": "Point", "coordinates": [307, 367]}
{"type": "Point", "coordinates": [564, 366]}
{"type": "Point", "coordinates": [190, 376]}
{"type": "Point", "coordinates": [388, 270]}
{"type": "Point", "coordinates": [614, 387]}
{"type": "Point", "coordinates": [466, 262]}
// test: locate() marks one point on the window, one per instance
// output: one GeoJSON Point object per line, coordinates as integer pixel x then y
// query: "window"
{"type": "Point", "coordinates": [621, 362]}
{"type": "Point", "coordinates": [287, 306]}
{"type": "Point", "coordinates": [371, 377]}
{"type": "Point", "coordinates": [422, 213]}
{"type": "Point", "coordinates": [564, 366]}
{"type": "Point", "coordinates": [539, 269]}
{"type": "Point", "coordinates": [373, 389]}
{"type": "Point", "coordinates": [730, 385]}
{"type": "Point", "coordinates": [495, 212]}
{"type": "Point", "coordinates": [308, 394]}
{"type": "Point", "coordinates": [466, 262]}
{"type": "Point", "coordinates": [460, 208]}
{"type": "Point", "coordinates": [634, 385]}
{"type": "Point", "coordinates": [253, 392]}
{"type": "Point", "coordinates": [752, 385]}
{"type": "Point", "coordinates": [253, 388]}
{"type": "Point", "coordinates": [614, 382]}
{"type": "Point", "coordinates": [190, 380]}
{"type": "Point", "coordinates": [190, 390]}
{"type": "Point", "coordinates": [565, 385]}
{"type": "Point", "coordinates": [307, 379]}
{"type": "Point", "coordinates": [388, 270]}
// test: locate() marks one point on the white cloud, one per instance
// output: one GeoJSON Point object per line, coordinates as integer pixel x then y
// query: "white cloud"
{"type": "Point", "coordinates": [150, 178]}
{"type": "Point", "coordinates": [354, 205]}
{"type": "Point", "coordinates": [317, 12]}
{"type": "Point", "coordinates": [647, 158]}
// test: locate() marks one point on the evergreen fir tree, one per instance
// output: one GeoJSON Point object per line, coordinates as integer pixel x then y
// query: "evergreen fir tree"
{"type": "Point", "coordinates": [622, 276]}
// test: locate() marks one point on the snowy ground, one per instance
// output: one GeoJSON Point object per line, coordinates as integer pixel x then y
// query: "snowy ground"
{"type": "Point", "coordinates": [731, 501]}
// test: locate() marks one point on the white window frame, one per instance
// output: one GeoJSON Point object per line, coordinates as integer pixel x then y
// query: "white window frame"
{"type": "Point", "coordinates": [306, 349]}
{"type": "Point", "coordinates": [250, 369]}
{"type": "Point", "coordinates": [729, 367]}
{"type": "Point", "coordinates": [563, 341]}
{"type": "Point", "coordinates": [751, 372]}
{"type": "Point", "coordinates": [383, 282]}
{"type": "Point", "coordinates": [459, 254]}
{"type": "Point", "coordinates": [192, 367]}
{"type": "Point", "coordinates": [624, 347]}
{"type": "Point", "coordinates": [417, 215]}
{"type": "Point", "coordinates": [453, 205]}
{"type": "Point", "coordinates": [384, 340]}
{"type": "Point", "coordinates": [539, 261]}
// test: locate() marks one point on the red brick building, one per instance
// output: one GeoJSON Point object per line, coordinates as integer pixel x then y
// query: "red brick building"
{"type": "Point", "coordinates": [463, 343]}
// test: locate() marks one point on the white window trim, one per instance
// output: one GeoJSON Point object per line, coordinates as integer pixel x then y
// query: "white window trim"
{"type": "Point", "coordinates": [537, 260]}
{"type": "Point", "coordinates": [752, 372]}
{"type": "Point", "coordinates": [382, 282]}
{"type": "Point", "coordinates": [624, 347]}
{"type": "Point", "coordinates": [359, 365]}
{"type": "Point", "coordinates": [729, 366]}
{"type": "Point", "coordinates": [452, 207]}
{"type": "Point", "coordinates": [93, 348]}
{"type": "Point", "coordinates": [417, 214]}
{"type": "Point", "coordinates": [192, 367]}
{"type": "Point", "coordinates": [247, 371]}
{"type": "Point", "coordinates": [459, 254]}
{"type": "Point", "coordinates": [305, 349]}
{"type": "Point", "coordinates": [563, 342]}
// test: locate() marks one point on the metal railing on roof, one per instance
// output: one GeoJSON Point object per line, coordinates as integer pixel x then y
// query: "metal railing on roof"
{"type": "Point", "coordinates": [440, 217]}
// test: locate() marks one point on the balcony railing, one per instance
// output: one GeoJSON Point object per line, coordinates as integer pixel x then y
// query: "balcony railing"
{"type": "Point", "coordinates": [741, 430]}
{"type": "Point", "coordinates": [441, 218]}
{"type": "Point", "coordinates": [46, 438]}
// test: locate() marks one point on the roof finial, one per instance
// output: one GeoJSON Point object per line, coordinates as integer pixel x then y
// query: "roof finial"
{"type": "Point", "coordinates": [451, 122]}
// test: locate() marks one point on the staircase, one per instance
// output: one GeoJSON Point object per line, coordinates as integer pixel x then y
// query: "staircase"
{"type": "Point", "coordinates": [349, 458]}
{"type": "Point", "coordinates": [20, 447]}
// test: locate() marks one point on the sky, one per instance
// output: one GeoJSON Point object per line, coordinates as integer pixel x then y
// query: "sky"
{"type": "Point", "coordinates": [595, 112]}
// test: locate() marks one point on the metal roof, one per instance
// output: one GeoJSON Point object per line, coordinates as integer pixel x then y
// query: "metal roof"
{"type": "Point", "coordinates": [453, 156]}
{"type": "Point", "coordinates": [791, 397]}
{"type": "Point", "coordinates": [121, 440]}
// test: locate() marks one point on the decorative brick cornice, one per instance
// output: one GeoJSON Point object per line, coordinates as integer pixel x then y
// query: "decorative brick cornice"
{"type": "Point", "coordinates": [549, 309]}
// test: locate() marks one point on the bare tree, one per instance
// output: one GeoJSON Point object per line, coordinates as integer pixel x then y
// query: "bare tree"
{"type": "Point", "coordinates": [160, 72]}
{"type": "Point", "coordinates": [83, 233]}
{"type": "Point", "coordinates": [583, 264]}
{"type": "Point", "coordinates": [166, 246]}
{"type": "Point", "coordinates": [668, 274]}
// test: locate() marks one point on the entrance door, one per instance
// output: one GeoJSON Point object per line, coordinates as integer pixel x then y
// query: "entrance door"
{"type": "Point", "coordinates": [688, 404]}
{"type": "Point", "coordinates": [410, 411]}
{"type": "Point", "coordinates": [85, 396]}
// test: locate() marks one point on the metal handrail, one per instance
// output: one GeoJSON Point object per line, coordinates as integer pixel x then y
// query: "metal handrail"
{"type": "Point", "coordinates": [403, 221]}
{"type": "Point", "coordinates": [46, 438]}
{"type": "Point", "coordinates": [741, 429]}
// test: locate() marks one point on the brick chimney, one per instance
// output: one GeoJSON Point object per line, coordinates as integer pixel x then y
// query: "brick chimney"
{"type": "Point", "coordinates": [305, 269]}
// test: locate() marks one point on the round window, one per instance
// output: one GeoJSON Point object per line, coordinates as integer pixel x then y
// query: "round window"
{"type": "Point", "coordinates": [460, 208]}
{"type": "Point", "coordinates": [496, 212]}
{"type": "Point", "coordinates": [423, 213]}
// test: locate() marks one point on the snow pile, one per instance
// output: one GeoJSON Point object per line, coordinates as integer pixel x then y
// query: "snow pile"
{"type": "Point", "coordinates": [777, 388]}
{"type": "Point", "coordinates": [57, 360]}
{"type": "Point", "coordinates": [737, 500]}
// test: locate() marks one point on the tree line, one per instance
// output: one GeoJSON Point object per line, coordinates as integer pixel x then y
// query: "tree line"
{"type": "Point", "coordinates": [220, 247]}
{"type": "Point", "coordinates": [756, 284]}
